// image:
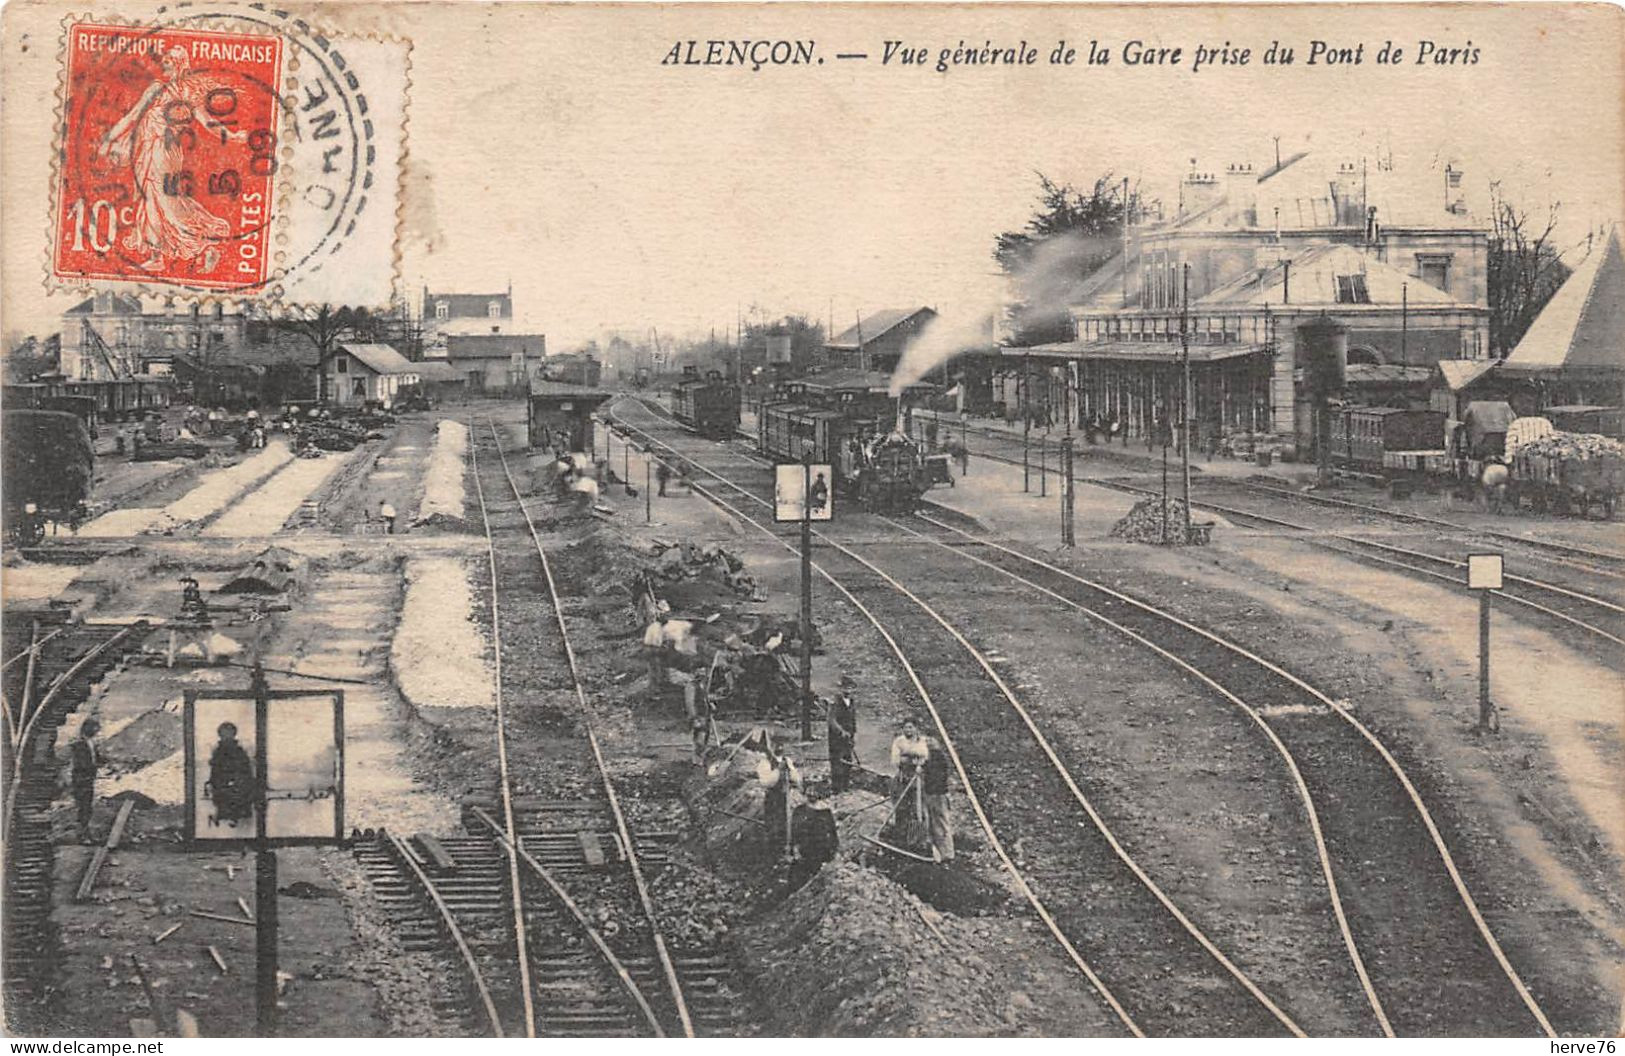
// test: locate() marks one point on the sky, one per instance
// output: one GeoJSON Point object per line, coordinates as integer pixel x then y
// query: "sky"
{"type": "Point", "coordinates": [550, 148]}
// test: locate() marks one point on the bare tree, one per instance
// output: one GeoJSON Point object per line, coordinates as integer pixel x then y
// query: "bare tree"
{"type": "Point", "coordinates": [324, 328]}
{"type": "Point", "coordinates": [1525, 270]}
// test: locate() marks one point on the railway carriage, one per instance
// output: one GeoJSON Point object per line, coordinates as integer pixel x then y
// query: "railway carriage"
{"type": "Point", "coordinates": [49, 469]}
{"type": "Point", "coordinates": [1375, 439]}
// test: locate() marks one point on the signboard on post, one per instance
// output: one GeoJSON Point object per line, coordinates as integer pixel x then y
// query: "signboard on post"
{"type": "Point", "coordinates": [1484, 574]}
{"type": "Point", "coordinates": [803, 492]}
{"type": "Point", "coordinates": [294, 738]}
{"type": "Point", "coordinates": [1484, 571]}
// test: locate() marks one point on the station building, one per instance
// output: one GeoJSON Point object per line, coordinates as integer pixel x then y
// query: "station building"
{"type": "Point", "coordinates": [1248, 260]}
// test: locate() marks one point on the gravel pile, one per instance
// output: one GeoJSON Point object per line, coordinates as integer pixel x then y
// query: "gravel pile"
{"type": "Point", "coordinates": [1144, 523]}
{"type": "Point", "coordinates": [853, 953]}
{"type": "Point", "coordinates": [442, 504]}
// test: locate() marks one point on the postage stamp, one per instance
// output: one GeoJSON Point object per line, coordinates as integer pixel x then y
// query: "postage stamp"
{"type": "Point", "coordinates": [229, 151]}
{"type": "Point", "coordinates": [169, 156]}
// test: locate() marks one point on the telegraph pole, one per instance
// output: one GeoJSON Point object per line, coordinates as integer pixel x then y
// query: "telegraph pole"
{"type": "Point", "coordinates": [1025, 391]}
{"type": "Point", "coordinates": [806, 598]}
{"type": "Point", "coordinates": [265, 893]}
{"type": "Point", "coordinates": [1068, 510]}
{"type": "Point", "coordinates": [1185, 397]}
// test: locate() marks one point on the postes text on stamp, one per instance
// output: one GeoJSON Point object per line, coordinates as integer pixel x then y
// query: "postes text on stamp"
{"type": "Point", "coordinates": [169, 157]}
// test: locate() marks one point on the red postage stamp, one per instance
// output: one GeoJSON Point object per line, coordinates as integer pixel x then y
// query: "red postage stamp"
{"type": "Point", "coordinates": [169, 157]}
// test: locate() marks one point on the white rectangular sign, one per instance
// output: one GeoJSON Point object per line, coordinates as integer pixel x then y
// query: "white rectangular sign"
{"type": "Point", "coordinates": [803, 492]}
{"type": "Point", "coordinates": [1484, 571]}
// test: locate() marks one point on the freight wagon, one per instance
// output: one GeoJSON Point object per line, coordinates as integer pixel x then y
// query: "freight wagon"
{"type": "Point", "coordinates": [49, 466]}
{"type": "Point", "coordinates": [708, 405]}
{"type": "Point", "coordinates": [1568, 472]}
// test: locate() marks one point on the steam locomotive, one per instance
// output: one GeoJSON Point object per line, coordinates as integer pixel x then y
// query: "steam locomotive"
{"type": "Point", "coordinates": [848, 421]}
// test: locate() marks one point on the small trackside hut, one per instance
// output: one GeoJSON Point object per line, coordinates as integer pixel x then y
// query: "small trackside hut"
{"type": "Point", "coordinates": [555, 406]}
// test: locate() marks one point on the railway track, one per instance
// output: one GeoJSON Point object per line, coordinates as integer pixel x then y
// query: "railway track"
{"type": "Point", "coordinates": [1571, 607]}
{"type": "Point", "coordinates": [540, 911]}
{"type": "Point", "coordinates": [1416, 947]}
{"type": "Point", "coordinates": [1592, 559]}
{"type": "Point", "coordinates": [1154, 966]}
{"type": "Point", "coordinates": [1401, 897]}
{"type": "Point", "coordinates": [52, 666]}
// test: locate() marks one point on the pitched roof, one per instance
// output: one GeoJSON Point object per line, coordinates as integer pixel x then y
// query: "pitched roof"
{"type": "Point", "coordinates": [465, 304]}
{"type": "Point", "coordinates": [1314, 276]}
{"type": "Point", "coordinates": [1583, 325]}
{"type": "Point", "coordinates": [436, 370]}
{"type": "Point", "coordinates": [122, 302]}
{"type": "Point", "coordinates": [852, 380]}
{"type": "Point", "coordinates": [1460, 373]}
{"type": "Point", "coordinates": [874, 325]}
{"type": "Point", "coordinates": [380, 359]}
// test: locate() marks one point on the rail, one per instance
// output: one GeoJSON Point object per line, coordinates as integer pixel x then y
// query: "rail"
{"type": "Point", "coordinates": [624, 831]}
{"type": "Point", "coordinates": [994, 840]}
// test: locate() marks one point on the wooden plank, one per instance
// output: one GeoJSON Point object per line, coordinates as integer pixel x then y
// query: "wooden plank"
{"type": "Point", "coordinates": [166, 933]}
{"type": "Point", "coordinates": [94, 867]}
{"type": "Point", "coordinates": [442, 859]}
{"type": "Point", "coordinates": [186, 1024]}
{"type": "Point", "coordinates": [248, 914]}
{"type": "Point", "coordinates": [591, 849]}
{"type": "Point", "coordinates": [224, 919]}
{"type": "Point", "coordinates": [220, 962]}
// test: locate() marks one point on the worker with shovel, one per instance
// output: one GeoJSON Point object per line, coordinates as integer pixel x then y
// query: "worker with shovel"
{"type": "Point", "coordinates": [842, 719]}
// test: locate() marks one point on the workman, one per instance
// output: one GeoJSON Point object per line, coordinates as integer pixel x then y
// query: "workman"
{"type": "Point", "coordinates": [843, 731]}
{"type": "Point", "coordinates": [909, 752]}
{"type": "Point", "coordinates": [777, 774]}
{"type": "Point", "coordinates": [662, 476]}
{"type": "Point", "coordinates": [84, 759]}
{"type": "Point", "coordinates": [938, 812]}
{"type": "Point", "coordinates": [386, 513]}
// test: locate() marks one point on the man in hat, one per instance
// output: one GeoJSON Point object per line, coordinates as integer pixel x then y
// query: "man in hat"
{"type": "Point", "coordinates": [84, 759]}
{"type": "Point", "coordinates": [843, 731]}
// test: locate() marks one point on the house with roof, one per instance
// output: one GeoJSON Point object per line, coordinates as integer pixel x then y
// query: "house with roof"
{"type": "Point", "coordinates": [445, 314]}
{"type": "Point", "coordinates": [1246, 261]}
{"type": "Point", "coordinates": [877, 341]}
{"type": "Point", "coordinates": [360, 373]}
{"type": "Point", "coordinates": [496, 362]}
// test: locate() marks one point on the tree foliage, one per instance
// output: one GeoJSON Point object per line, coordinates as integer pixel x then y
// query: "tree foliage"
{"type": "Point", "coordinates": [1525, 270]}
{"type": "Point", "coordinates": [1071, 235]}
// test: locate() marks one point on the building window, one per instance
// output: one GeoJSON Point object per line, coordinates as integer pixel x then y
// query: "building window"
{"type": "Point", "coordinates": [341, 364]}
{"type": "Point", "coordinates": [194, 340]}
{"type": "Point", "coordinates": [169, 339]}
{"type": "Point", "coordinates": [1434, 270]}
{"type": "Point", "coordinates": [442, 310]}
{"type": "Point", "coordinates": [494, 310]}
{"type": "Point", "coordinates": [1351, 289]}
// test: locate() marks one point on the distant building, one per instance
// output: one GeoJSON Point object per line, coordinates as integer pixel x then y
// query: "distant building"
{"type": "Point", "coordinates": [493, 362]}
{"type": "Point", "coordinates": [362, 373]}
{"type": "Point", "coordinates": [878, 340]}
{"type": "Point", "coordinates": [1395, 257]}
{"type": "Point", "coordinates": [464, 314]}
{"type": "Point", "coordinates": [114, 334]}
